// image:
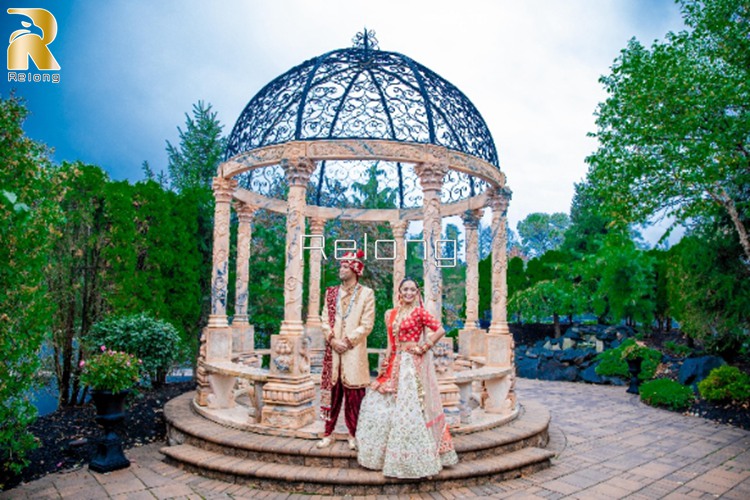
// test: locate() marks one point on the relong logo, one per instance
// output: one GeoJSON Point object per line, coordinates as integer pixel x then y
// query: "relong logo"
{"type": "Point", "coordinates": [32, 41]}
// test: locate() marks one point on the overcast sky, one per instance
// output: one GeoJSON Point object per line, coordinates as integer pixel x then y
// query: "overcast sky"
{"type": "Point", "coordinates": [130, 70]}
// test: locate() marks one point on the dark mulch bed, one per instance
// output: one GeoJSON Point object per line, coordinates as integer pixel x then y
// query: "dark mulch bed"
{"type": "Point", "coordinates": [56, 431]}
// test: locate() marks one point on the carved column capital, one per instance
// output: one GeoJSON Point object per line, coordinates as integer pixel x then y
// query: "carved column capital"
{"type": "Point", "coordinates": [223, 189]}
{"type": "Point", "coordinates": [317, 225]}
{"type": "Point", "coordinates": [431, 175]}
{"type": "Point", "coordinates": [471, 219]}
{"type": "Point", "coordinates": [499, 200]}
{"type": "Point", "coordinates": [399, 228]}
{"type": "Point", "coordinates": [244, 211]}
{"type": "Point", "coordinates": [298, 171]}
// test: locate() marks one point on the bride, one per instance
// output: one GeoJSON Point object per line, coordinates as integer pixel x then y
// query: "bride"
{"type": "Point", "coordinates": [402, 429]}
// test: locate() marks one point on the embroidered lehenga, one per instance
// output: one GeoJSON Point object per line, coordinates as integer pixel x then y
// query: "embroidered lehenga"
{"type": "Point", "coordinates": [403, 431]}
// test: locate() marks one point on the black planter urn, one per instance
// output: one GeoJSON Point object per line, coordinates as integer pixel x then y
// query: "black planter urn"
{"type": "Point", "coordinates": [110, 412]}
{"type": "Point", "coordinates": [634, 367]}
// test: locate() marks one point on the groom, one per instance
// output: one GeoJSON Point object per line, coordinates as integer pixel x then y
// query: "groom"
{"type": "Point", "coordinates": [348, 317]}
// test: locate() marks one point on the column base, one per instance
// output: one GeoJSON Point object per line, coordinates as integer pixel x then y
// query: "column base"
{"type": "Point", "coordinates": [471, 342]}
{"type": "Point", "coordinates": [243, 337]}
{"type": "Point", "coordinates": [288, 404]}
{"type": "Point", "coordinates": [499, 350]}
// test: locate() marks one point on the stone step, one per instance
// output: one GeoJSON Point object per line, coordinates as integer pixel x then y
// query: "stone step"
{"type": "Point", "coordinates": [529, 429]}
{"type": "Point", "coordinates": [350, 481]}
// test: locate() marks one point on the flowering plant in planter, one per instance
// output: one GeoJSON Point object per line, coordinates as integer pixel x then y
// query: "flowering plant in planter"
{"type": "Point", "coordinates": [113, 371]}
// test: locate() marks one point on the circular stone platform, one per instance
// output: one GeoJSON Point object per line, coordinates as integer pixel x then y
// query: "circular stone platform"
{"type": "Point", "coordinates": [493, 449]}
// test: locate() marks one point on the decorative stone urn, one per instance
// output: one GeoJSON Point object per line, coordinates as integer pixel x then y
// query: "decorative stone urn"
{"type": "Point", "coordinates": [634, 367]}
{"type": "Point", "coordinates": [110, 412]}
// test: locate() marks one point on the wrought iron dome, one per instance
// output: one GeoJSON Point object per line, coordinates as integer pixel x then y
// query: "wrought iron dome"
{"type": "Point", "coordinates": [362, 92]}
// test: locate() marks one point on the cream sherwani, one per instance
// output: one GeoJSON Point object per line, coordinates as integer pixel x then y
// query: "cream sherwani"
{"type": "Point", "coordinates": [355, 370]}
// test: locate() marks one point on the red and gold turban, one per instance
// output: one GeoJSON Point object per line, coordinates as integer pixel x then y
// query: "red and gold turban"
{"type": "Point", "coordinates": [354, 261]}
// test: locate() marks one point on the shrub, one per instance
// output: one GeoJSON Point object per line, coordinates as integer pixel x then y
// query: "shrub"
{"type": "Point", "coordinates": [677, 349]}
{"type": "Point", "coordinates": [612, 362]}
{"type": "Point", "coordinates": [725, 383]}
{"type": "Point", "coordinates": [667, 393]}
{"type": "Point", "coordinates": [155, 342]}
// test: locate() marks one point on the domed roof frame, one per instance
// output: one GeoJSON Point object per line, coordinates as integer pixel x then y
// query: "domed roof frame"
{"type": "Point", "coordinates": [362, 92]}
{"type": "Point", "coordinates": [400, 107]}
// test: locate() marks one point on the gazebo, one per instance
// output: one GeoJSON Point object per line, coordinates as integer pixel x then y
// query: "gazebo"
{"type": "Point", "coordinates": [315, 129]}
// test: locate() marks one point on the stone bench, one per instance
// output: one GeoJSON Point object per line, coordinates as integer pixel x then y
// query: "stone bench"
{"type": "Point", "coordinates": [222, 376]}
{"type": "Point", "coordinates": [496, 379]}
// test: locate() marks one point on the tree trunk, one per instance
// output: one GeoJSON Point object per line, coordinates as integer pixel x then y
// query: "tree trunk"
{"type": "Point", "coordinates": [728, 203]}
{"type": "Point", "coordinates": [556, 319]}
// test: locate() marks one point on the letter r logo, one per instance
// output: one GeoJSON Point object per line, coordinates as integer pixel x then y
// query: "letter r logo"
{"type": "Point", "coordinates": [32, 40]}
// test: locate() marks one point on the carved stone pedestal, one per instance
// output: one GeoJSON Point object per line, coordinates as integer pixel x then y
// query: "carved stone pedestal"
{"type": "Point", "coordinates": [449, 393]}
{"type": "Point", "coordinates": [501, 398]}
{"type": "Point", "coordinates": [317, 347]}
{"type": "Point", "coordinates": [243, 337]}
{"type": "Point", "coordinates": [288, 396]}
{"type": "Point", "coordinates": [288, 405]}
{"type": "Point", "coordinates": [216, 345]}
{"type": "Point", "coordinates": [472, 342]}
{"type": "Point", "coordinates": [499, 350]}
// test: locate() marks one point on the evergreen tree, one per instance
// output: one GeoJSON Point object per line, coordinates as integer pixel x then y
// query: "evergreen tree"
{"type": "Point", "coordinates": [193, 163]}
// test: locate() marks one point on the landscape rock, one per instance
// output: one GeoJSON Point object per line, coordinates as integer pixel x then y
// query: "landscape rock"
{"type": "Point", "coordinates": [693, 370]}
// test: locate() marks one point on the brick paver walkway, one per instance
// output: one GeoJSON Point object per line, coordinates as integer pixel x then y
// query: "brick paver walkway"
{"type": "Point", "coordinates": [610, 446]}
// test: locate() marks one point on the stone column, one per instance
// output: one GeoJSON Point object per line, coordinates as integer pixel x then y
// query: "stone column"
{"type": "Point", "coordinates": [500, 344]}
{"type": "Point", "coordinates": [399, 263]}
{"type": "Point", "coordinates": [288, 395]}
{"type": "Point", "coordinates": [470, 337]}
{"type": "Point", "coordinates": [216, 337]}
{"type": "Point", "coordinates": [223, 189]}
{"type": "Point", "coordinates": [431, 177]}
{"type": "Point", "coordinates": [243, 332]}
{"type": "Point", "coordinates": [499, 203]}
{"type": "Point", "coordinates": [313, 329]}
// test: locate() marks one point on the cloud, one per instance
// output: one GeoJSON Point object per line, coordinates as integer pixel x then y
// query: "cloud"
{"type": "Point", "coordinates": [132, 69]}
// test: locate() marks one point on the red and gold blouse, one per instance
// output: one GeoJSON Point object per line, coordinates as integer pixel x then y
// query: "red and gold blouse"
{"type": "Point", "coordinates": [412, 326]}
{"type": "Point", "coordinates": [410, 330]}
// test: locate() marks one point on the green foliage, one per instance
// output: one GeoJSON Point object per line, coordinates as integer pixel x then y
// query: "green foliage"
{"type": "Point", "coordinates": [77, 275]}
{"type": "Point", "coordinates": [709, 291]}
{"type": "Point", "coordinates": [673, 132]}
{"type": "Point", "coordinates": [155, 342]}
{"type": "Point", "coordinates": [29, 215]}
{"type": "Point", "coordinates": [725, 383]}
{"type": "Point", "coordinates": [667, 393]}
{"type": "Point", "coordinates": [110, 370]}
{"type": "Point", "coordinates": [542, 300]}
{"type": "Point", "coordinates": [624, 280]}
{"type": "Point", "coordinates": [193, 164]}
{"type": "Point", "coordinates": [266, 288]}
{"type": "Point", "coordinates": [542, 232]}
{"type": "Point", "coordinates": [516, 276]}
{"type": "Point", "coordinates": [677, 349]}
{"type": "Point", "coordinates": [613, 362]}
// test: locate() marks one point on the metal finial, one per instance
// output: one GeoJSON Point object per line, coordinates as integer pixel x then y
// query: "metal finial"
{"type": "Point", "coordinates": [366, 40]}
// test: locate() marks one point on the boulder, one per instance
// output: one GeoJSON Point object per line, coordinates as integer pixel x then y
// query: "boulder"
{"type": "Point", "coordinates": [527, 367]}
{"type": "Point", "coordinates": [577, 356]}
{"type": "Point", "coordinates": [693, 370]}
{"type": "Point", "coordinates": [589, 375]}
{"type": "Point", "coordinates": [573, 333]}
{"type": "Point", "coordinates": [555, 370]}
